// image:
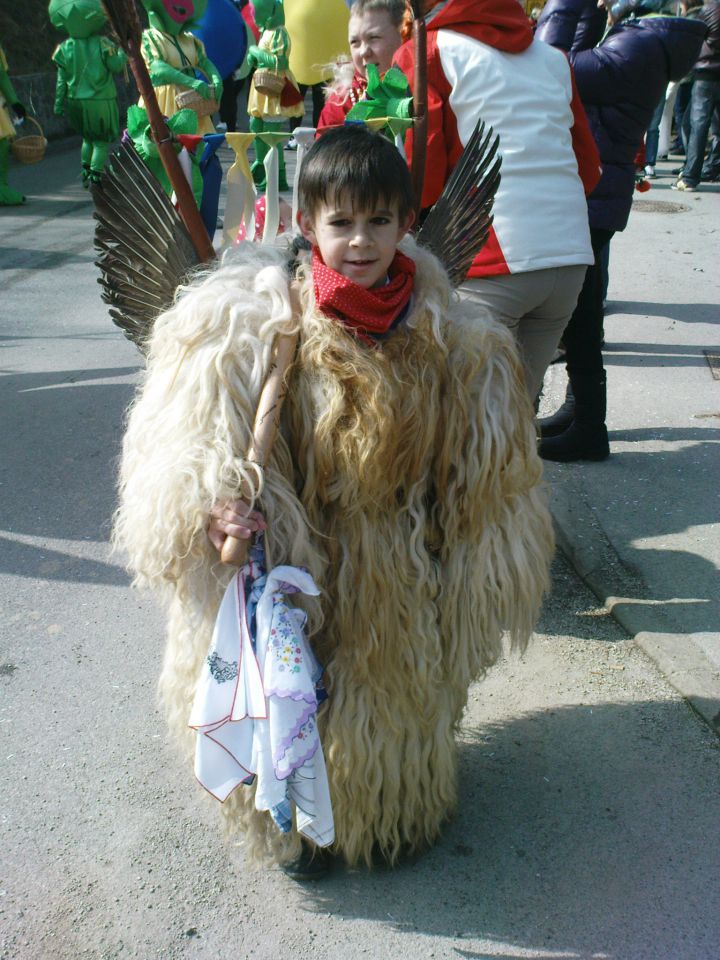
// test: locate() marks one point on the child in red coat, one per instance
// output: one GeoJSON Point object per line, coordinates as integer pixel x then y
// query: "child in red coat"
{"type": "Point", "coordinates": [375, 31]}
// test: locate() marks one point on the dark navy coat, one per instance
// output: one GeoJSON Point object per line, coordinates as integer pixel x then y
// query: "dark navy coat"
{"type": "Point", "coordinates": [620, 82]}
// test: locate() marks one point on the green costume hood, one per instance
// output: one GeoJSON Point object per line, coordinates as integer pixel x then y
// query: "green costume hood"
{"type": "Point", "coordinates": [269, 14]}
{"type": "Point", "coordinates": [80, 19]}
{"type": "Point", "coordinates": [174, 16]}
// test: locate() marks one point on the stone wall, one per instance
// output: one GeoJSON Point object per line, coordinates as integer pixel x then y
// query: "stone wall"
{"type": "Point", "coordinates": [37, 92]}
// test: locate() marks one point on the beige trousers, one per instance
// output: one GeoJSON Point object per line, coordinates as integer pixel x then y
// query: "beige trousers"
{"type": "Point", "coordinates": [536, 306]}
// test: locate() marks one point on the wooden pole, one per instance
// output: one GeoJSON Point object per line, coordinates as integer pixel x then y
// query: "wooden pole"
{"type": "Point", "coordinates": [419, 148]}
{"type": "Point", "coordinates": [267, 420]}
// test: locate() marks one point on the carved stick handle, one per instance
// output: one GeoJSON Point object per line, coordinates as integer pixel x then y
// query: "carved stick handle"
{"type": "Point", "coordinates": [267, 419]}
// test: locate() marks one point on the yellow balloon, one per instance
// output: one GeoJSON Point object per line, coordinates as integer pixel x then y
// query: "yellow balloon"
{"type": "Point", "coordinates": [319, 33]}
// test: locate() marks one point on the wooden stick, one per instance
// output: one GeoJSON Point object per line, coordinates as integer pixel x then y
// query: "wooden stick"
{"type": "Point", "coordinates": [267, 419]}
{"type": "Point", "coordinates": [419, 148]}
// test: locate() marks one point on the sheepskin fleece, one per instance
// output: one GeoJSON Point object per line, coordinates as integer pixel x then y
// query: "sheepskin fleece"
{"type": "Point", "coordinates": [405, 479]}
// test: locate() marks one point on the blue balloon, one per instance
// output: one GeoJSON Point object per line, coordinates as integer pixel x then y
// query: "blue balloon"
{"type": "Point", "coordinates": [222, 30]}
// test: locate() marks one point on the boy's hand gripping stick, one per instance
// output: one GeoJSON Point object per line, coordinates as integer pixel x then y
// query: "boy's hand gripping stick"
{"type": "Point", "coordinates": [234, 551]}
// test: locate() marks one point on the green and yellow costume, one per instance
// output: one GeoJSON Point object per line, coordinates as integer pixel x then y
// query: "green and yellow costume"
{"type": "Point", "coordinates": [85, 92]}
{"type": "Point", "coordinates": [173, 55]}
{"type": "Point", "coordinates": [8, 101]}
{"type": "Point", "coordinates": [268, 112]}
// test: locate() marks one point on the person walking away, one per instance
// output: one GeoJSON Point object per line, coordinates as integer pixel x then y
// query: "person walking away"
{"type": "Point", "coordinates": [620, 81]}
{"type": "Point", "coordinates": [704, 101]}
{"type": "Point", "coordinates": [483, 63]}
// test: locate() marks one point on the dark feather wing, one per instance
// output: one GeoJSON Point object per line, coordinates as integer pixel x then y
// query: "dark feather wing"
{"type": "Point", "coordinates": [145, 249]}
{"type": "Point", "coordinates": [459, 222]}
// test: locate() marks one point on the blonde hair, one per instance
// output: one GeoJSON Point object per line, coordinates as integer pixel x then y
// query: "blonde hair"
{"type": "Point", "coordinates": [399, 11]}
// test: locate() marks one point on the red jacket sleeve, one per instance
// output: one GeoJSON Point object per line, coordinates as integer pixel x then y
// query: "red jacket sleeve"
{"type": "Point", "coordinates": [586, 151]}
{"type": "Point", "coordinates": [334, 112]}
{"type": "Point", "coordinates": [443, 145]}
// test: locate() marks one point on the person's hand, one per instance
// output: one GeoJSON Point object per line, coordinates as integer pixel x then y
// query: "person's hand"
{"type": "Point", "coordinates": [233, 518]}
{"type": "Point", "coordinates": [59, 109]}
{"type": "Point", "coordinates": [261, 58]}
{"type": "Point", "coordinates": [19, 110]}
{"type": "Point", "coordinates": [199, 86]}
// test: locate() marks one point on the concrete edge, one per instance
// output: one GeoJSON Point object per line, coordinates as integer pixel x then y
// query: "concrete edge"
{"type": "Point", "coordinates": [582, 540]}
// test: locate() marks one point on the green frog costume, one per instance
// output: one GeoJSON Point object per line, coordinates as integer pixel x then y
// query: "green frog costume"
{"type": "Point", "coordinates": [85, 92]}
{"type": "Point", "coordinates": [268, 112]}
{"type": "Point", "coordinates": [8, 102]}
{"type": "Point", "coordinates": [173, 55]}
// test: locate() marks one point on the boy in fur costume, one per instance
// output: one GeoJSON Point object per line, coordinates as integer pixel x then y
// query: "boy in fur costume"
{"type": "Point", "coordinates": [404, 478]}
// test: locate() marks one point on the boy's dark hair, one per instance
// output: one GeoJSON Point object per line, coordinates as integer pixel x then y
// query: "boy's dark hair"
{"type": "Point", "coordinates": [355, 161]}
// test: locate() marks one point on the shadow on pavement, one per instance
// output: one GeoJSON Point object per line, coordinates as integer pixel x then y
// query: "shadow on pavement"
{"type": "Point", "coordinates": [683, 312]}
{"type": "Point", "coordinates": [19, 258]}
{"type": "Point", "coordinates": [574, 834]}
{"type": "Point", "coordinates": [645, 514]}
{"type": "Point", "coordinates": [61, 440]}
{"type": "Point", "coordinates": [655, 354]}
{"type": "Point", "coordinates": [42, 563]}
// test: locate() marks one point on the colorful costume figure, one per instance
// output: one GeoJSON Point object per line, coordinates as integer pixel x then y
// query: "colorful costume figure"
{"type": "Point", "coordinates": [173, 56]}
{"type": "Point", "coordinates": [182, 124]}
{"type": "Point", "coordinates": [85, 92]}
{"type": "Point", "coordinates": [318, 29]}
{"type": "Point", "coordinates": [267, 111]}
{"type": "Point", "coordinates": [8, 102]}
{"type": "Point", "coordinates": [405, 479]}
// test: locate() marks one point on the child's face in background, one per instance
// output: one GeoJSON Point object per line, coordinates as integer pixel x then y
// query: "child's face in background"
{"type": "Point", "coordinates": [373, 39]}
{"type": "Point", "coordinates": [358, 244]}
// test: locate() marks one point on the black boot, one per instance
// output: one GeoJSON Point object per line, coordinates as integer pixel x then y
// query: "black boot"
{"type": "Point", "coordinates": [561, 419]}
{"type": "Point", "coordinates": [586, 438]}
{"type": "Point", "coordinates": [312, 864]}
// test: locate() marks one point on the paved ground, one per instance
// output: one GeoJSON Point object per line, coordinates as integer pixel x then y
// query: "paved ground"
{"type": "Point", "coordinates": [643, 528]}
{"type": "Point", "coordinates": [588, 825]}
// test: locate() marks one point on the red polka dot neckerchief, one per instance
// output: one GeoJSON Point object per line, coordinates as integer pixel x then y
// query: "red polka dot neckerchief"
{"type": "Point", "coordinates": [366, 313]}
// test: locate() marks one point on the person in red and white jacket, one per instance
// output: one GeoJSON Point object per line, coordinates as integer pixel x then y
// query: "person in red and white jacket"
{"type": "Point", "coordinates": [484, 63]}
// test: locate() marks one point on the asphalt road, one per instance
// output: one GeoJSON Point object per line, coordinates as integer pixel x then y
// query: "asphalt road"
{"type": "Point", "coordinates": [589, 804]}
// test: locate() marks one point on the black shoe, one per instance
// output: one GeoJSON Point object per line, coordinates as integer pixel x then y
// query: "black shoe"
{"type": "Point", "coordinates": [586, 438]}
{"type": "Point", "coordinates": [312, 864]}
{"type": "Point", "coordinates": [576, 443]}
{"type": "Point", "coordinates": [560, 420]}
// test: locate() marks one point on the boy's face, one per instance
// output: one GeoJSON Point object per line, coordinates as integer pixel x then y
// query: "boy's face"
{"type": "Point", "coordinates": [358, 244]}
{"type": "Point", "coordinates": [373, 39]}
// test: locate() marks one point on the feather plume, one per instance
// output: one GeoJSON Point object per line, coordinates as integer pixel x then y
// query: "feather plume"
{"type": "Point", "coordinates": [145, 249]}
{"type": "Point", "coordinates": [458, 224]}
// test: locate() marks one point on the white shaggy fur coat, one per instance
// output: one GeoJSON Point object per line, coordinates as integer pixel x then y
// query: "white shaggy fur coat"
{"type": "Point", "coordinates": [405, 479]}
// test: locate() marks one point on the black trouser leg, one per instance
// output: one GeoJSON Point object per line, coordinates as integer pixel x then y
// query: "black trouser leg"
{"type": "Point", "coordinates": [586, 436]}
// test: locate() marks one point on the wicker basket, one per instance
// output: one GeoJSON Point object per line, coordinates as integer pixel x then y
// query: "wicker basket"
{"type": "Point", "coordinates": [268, 83]}
{"type": "Point", "coordinates": [191, 100]}
{"type": "Point", "coordinates": [30, 148]}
